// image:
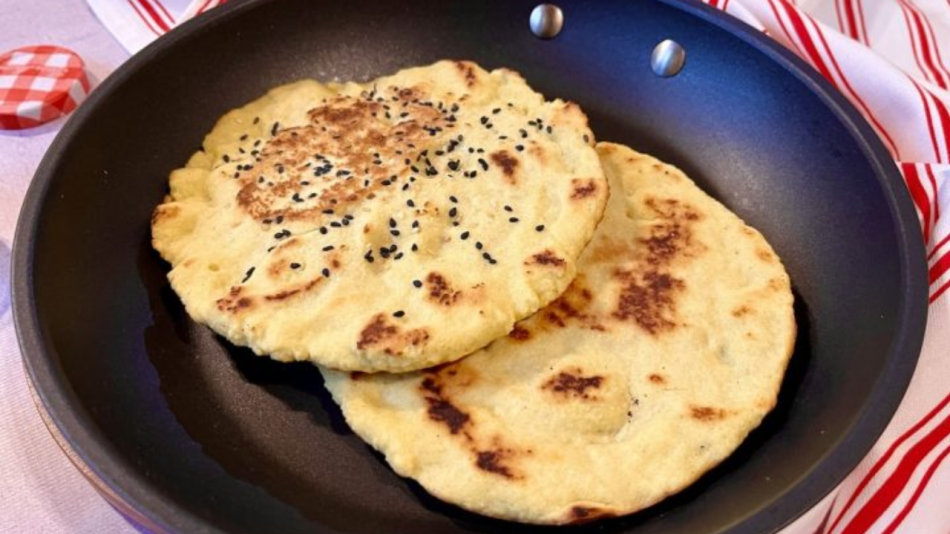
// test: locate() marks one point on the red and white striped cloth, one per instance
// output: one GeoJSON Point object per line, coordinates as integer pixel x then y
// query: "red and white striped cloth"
{"type": "Point", "coordinates": [891, 58]}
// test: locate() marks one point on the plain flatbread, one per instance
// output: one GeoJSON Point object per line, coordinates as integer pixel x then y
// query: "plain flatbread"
{"type": "Point", "coordinates": [391, 225]}
{"type": "Point", "coordinates": [668, 348]}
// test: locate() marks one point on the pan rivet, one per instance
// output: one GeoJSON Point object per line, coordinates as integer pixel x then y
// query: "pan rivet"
{"type": "Point", "coordinates": [668, 58]}
{"type": "Point", "coordinates": [546, 21]}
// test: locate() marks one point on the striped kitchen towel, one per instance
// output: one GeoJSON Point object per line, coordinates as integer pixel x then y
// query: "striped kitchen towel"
{"type": "Point", "coordinates": [136, 23]}
{"type": "Point", "coordinates": [887, 58]}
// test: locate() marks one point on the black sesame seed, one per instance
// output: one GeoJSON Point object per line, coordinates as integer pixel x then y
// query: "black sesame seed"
{"type": "Point", "coordinates": [471, 150]}
{"type": "Point", "coordinates": [454, 165]}
{"type": "Point", "coordinates": [483, 163]}
{"type": "Point", "coordinates": [328, 247]}
{"type": "Point", "coordinates": [524, 133]}
{"type": "Point", "coordinates": [346, 222]}
{"type": "Point", "coordinates": [417, 283]}
{"type": "Point", "coordinates": [453, 212]}
{"type": "Point", "coordinates": [509, 209]}
{"type": "Point", "coordinates": [586, 138]}
{"type": "Point", "coordinates": [336, 224]}
{"type": "Point", "coordinates": [247, 275]}
{"type": "Point", "coordinates": [325, 272]}
{"type": "Point", "coordinates": [395, 233]}
{"type": "Point", "coordinates": [513, 219]}
{"type": "Point", "coordinates": [398, 256]}
{"type": "Point", "coordinates": [478, 245]}
{"type": "Point", "coordinates": [519, 148]}
{"type": "Point", "coordinates": [256, 120]}
{"type": "Point", "coordinates": [464, 236]}
{"type": "Point", "coordinates": [323, 230]}
{"type": "Point", "coordinates": [279, 219]}
{"type": "Point", "coordinates": [548, 129]}
{"type": "Point", "coordinates": [410, 203]}
{"type": "Point", "coordinates": [539, 228]}
{"type": "Point", "coordinates": [226, 158]}
{"type": "Point", "coordinates": [483, 120]}
{"type": "Point", "coordinates": [399, 313]}
{"type": "Point", "coordinates": [295, 265]}
{"type": "Point", "coordinates": [386, 183]}
{"type": "Point", "coordinates": [486, 255]}
{"type": "Point", "coordinates": [369, 256]}
{"type": "Point", "coordinates": [415, 247]}
{"type": "Point", "coordinates": [392, 222]}
{"type": "Point", "coordinates": [328, 212]}
{"type": "Point", "coordinates": [243, 137]}
{"type": "Point", "coordinates": [274, 128]}
{"type": "Point", "coordinates": [304, 183]}
{"type": "Point", "coordinates": [453, 199]}
{"type": "Point", "coordinates": [496, 111]}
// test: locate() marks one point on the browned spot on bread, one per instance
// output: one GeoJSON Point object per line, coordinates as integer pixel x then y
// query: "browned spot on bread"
{"type": "Point", "coordinates": [440, 290]}
{"type": "Point", "coordinates": [546, 257]}
{"type": "Point", "coordinates": [764, 255]}
{"type": "Point", "coordinates": [164, 211]}
{"type": "Point", "coordinates": [649, 289]}
{"type": "Point", "coordinates": [342, 155]}
{"type": "Point", "coordinates": [648, 300]}
{"type": "Point", "coordinates": [657, 378]}
{"type": "Point", "coordinates": [520, 333]}
{"type": "Point", "coordinates": [740, 311]}
{"type": "Point", "coordinates": [287, 293]}
{"type": "Point", "coordinates": [572, 383]}
{"type": "Point", "coordinates": [357, 375]}
{"type": "Point", "coordinates": [583, 188]}
{"type": "Point", "coordinates": [467, 71]}
{"type": "Point", "coordinates": [607, 250]}
{"type": "Point", "coordinates": [393, 340]}
{"type": "Point", "coordinates": [441, 409]}
{"type": "Point", "coordinates": [706, 413]}
{"type": "Point", "coordinates": [507, 163]}
{"type": "Point", "coordinates": [234, 302]}
{"type": "Point", "coordinates": [776, 284]}
{"type": "Point", "coordinates": [585, 514]}
{"type": "Point", "coordinates": [492, 462]}
{"type": "Point", "coordinates": [572, 306]}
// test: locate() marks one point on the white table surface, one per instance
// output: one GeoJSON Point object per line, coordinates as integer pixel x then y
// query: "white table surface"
{"type": "Point", "coordinates": [40, 491]}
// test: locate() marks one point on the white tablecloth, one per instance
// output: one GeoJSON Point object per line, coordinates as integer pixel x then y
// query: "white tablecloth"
{"type": "Point", "coordinates": [902, 485]}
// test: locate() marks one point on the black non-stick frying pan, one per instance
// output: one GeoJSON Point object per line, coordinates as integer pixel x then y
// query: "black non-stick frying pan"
{"type": "Point", "coordinates": [191, 434]}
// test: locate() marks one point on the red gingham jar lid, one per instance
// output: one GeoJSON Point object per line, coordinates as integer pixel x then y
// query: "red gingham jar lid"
{"type": "Point", "coordinates": [39, 84]}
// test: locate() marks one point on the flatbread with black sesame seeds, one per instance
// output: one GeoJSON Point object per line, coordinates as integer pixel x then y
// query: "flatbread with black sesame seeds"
{"type": "Point", "coordinates": [665, 352]}
{"type": "Point", "coordinates": [390, 225]}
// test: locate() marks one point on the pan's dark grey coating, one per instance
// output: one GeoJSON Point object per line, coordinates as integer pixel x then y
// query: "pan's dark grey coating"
{"type": "Point", "coordinates": [200, 436]}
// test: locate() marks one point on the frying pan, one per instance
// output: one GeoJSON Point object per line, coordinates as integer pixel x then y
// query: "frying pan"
{"type": "Point", "coordinates": [190, 434]}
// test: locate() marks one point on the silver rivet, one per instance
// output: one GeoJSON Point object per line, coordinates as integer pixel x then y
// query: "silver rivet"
{"type": "Point", "coordinates": [668, 58]}
{"type": "Point", "coordinates": [546, 21]}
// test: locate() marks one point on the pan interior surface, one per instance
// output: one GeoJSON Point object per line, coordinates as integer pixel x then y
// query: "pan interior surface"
{"type": "Point", "coordinates": [202, 436]}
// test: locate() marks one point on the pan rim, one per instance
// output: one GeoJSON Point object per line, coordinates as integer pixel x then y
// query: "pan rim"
{"type": "Point", "coordinates": [93, 448]}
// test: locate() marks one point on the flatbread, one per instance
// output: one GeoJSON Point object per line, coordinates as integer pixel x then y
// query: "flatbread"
{"type": "Point", "coordinates": [668, 348]}
{"type": "Point", "coordinates": [391, 225]}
